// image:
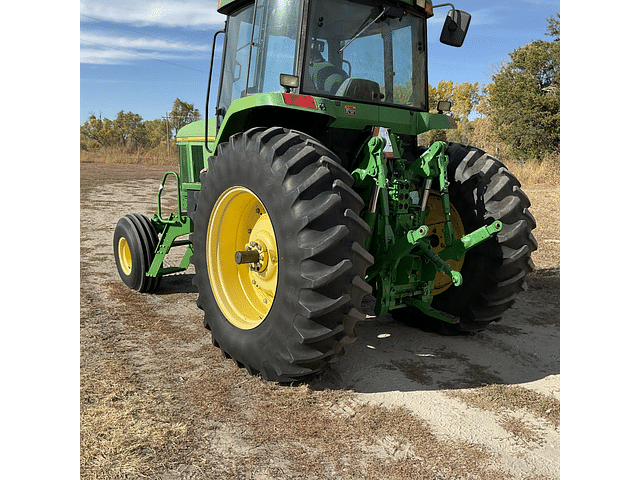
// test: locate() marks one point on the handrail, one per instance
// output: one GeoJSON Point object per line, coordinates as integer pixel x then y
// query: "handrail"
{"type": "Point", "coordinates": [161, 191]}
{"type": "Point", "coordinates": [206, 105]}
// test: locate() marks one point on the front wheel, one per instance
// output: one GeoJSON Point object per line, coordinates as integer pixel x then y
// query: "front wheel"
{"type": "Point", "coordinates": [278, 253]}
{"type": "Point", "coordinates": [134, 244]}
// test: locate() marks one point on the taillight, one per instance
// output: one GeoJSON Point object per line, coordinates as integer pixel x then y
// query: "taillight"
{"type": "Point", "coordinates": [305, 101]}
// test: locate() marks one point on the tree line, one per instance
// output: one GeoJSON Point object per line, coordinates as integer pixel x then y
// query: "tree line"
{"type": "Point", "coordinates": [516, 115]}
{"type": "Point", "coordinates": [130, 130]}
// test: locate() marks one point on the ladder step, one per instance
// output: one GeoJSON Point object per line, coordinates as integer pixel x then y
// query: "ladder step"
{"type": "Point", "coordinates": [170, 270]}
{"type": "Point", "coordinates": [177, 243]}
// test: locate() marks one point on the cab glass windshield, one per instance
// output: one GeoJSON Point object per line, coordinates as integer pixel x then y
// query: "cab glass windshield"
{"type": "Point", "coordinates": [365, 52]}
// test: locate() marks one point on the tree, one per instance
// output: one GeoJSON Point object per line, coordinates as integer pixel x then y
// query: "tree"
{"type": "Point", "coordinates": [97, 130]}
{"type": "Point", "coordinates": [182, 114]}
{"type": "Point", "coordinates": [464, 99]}
{"type": "Point", "coordinates": [156, 132]}
{"type": "Point", "coordinates": [553, 28]}
{"type": "Point", "coordinates": [130, 129]}
{"type": "Point", "coordinates": [524, 104]}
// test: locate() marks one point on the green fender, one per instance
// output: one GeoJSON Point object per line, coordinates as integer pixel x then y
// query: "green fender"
{"type": "Point", "coordinates": [334, 113]}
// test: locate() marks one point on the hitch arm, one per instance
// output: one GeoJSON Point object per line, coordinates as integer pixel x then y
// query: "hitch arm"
{"type": "Point", "coordinates": [460, 247]}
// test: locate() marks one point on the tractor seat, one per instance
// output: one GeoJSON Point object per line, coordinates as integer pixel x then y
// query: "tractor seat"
{"type": "Point", "coordinates": [360, 89]}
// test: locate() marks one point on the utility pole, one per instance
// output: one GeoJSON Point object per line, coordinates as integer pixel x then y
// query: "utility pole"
{"type": "Point", "coordinates": [166, 117]}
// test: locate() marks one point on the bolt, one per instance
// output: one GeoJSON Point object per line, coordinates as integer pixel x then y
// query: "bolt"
{"type": "Point", "coordinates": [264, 300]}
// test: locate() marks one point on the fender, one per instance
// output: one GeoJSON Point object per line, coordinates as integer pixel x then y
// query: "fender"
{"type": "Point", "coordinates": [294, 110]}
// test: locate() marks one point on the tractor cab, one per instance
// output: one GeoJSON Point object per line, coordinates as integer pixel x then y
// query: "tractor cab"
{"type": "Point", "coordinates": [366, 51]}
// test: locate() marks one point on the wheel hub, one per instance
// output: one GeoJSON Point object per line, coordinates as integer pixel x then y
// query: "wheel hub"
{"type": "Point", "coordinates": [124, 255]}
{"type": "Point", "coordinates": [242, 257]}
{"type": "Point", "coordinates": [435, 221]}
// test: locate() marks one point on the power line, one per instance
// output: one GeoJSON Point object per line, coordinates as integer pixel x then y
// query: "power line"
{"type": "Point", "coordinates": [141, 55]}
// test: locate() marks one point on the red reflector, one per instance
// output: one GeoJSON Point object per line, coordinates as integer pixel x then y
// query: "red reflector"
{"type": "Point", "coordinates": [305, 101]}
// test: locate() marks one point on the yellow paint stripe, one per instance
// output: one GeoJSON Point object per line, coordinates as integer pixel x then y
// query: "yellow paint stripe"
{"type": "Point", "coordinates": [194, 139]}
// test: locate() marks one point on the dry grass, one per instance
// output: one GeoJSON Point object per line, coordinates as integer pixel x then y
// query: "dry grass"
{"type": "Point", "coordinates": [500, 398]}
{"type": "Point", "coordinates": [125, 428]}
{"type": "Point", "coordinates": [333, 433]}
{"type": "Point", "coordinates": [546, 172]}
{"type": "Point", "coordinates": [137, 426]}
{"type": "Point", "coordinates": [521, 429]}
{"type": "Point", "coordinates": [140, 156]}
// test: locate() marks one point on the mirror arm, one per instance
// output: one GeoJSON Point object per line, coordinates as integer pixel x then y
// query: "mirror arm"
{"type": "Point", "coordinates": [445, 5]}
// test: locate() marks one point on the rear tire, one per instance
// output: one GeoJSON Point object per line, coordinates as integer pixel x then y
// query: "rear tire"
{"type": "Point", "coordinates": [134, 244]}
{"type": "Point", "coordinates": [483, 191]}
{"type": "Point", "coordinates": [290, 315]}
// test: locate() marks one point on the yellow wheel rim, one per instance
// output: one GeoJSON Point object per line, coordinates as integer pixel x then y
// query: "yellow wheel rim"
{"type": "Point", "coordinates": [244, 292]}
{"type": "Point", "coordinates": [124, 256]}
{"type": "Point", "coordinates": [435, 222]}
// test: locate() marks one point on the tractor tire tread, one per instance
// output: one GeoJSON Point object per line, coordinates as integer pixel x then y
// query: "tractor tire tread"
{"type": "Point", "coordinates": [328, 274]}
{"type": "Point", "coordinates": [483, 191]}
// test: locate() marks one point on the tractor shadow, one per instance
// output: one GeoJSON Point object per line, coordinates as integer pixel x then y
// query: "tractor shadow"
{"type": "Point", "coordinates": [179, 283]}
{"type": "Point", "coordinates": [389, 355]}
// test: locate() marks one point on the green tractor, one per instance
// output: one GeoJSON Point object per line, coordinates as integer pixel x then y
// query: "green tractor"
{"type": "Point", "coordinates": [307, 190]}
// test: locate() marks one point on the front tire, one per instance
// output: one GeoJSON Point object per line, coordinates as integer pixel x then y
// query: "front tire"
{"type": "Point", "coordinates": [280, 194]}
{"type": "Point", "coordinates": [134, 245]}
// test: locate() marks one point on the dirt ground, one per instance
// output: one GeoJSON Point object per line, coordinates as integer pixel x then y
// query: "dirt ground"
{"type": "Point", "coordinates": [159, 401]}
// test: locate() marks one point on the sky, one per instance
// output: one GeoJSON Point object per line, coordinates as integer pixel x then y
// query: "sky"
{"type": "Point", "coordinates": [141, 56]}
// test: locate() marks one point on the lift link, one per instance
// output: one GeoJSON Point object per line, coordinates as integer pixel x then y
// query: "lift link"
{"type": "Point", "coordinates": [441, 265]}
{"type": "Point", "coordinates": [374, 168]}
{"type": "Point", "coordinates": [460, 247]}
{"type": "Point", "coordinates": [432, 165]}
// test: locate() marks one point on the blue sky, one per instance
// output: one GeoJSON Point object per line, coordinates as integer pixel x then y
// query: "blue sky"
{"type": "Point", "coordinates": [141, 56]}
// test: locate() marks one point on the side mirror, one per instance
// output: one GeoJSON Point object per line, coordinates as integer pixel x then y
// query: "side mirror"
{"type": "Point", "coordinates": [455, 28]}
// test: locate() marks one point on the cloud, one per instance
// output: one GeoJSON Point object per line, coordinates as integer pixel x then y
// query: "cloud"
{"type": "Point", "coordinates": [163, 13]}
{"type": "Point", "coordinates": [139, 43]}
{"type": "Point", "coordinates": [100, 56]}
{"type": "Point", "coordinates": [105, 49]}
